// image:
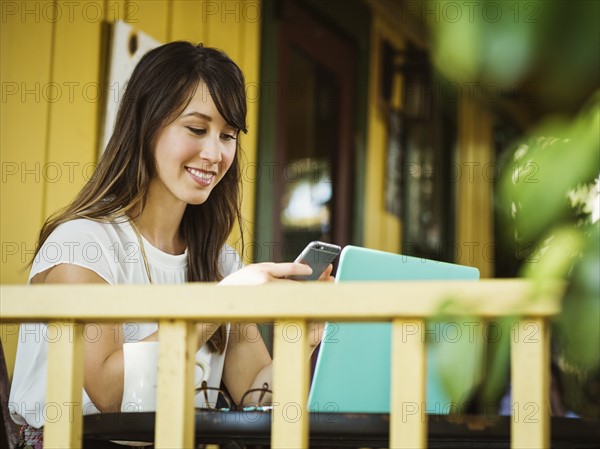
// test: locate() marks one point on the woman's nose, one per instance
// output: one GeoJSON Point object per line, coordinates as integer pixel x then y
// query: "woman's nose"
{"type": "Point", "coordinates": [209, 149]}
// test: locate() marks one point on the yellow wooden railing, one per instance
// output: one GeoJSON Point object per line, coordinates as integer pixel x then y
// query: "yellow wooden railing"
{"type": "Point", "coordinates": [175, 307]}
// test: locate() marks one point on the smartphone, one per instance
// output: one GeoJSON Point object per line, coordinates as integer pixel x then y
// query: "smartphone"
{"type": "Point", "coordinates": [318, 255]}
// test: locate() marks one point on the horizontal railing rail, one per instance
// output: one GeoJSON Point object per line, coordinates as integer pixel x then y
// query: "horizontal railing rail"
{"type": "Point", "coordinates": [407, 305]}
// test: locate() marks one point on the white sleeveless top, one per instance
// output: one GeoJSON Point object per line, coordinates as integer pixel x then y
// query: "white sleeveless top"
{"type": "Point", "coordinates": [112, 251]}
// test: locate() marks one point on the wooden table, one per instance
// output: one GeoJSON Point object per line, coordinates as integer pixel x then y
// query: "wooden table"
{"type": "Point", "coordinates": [340, 430]}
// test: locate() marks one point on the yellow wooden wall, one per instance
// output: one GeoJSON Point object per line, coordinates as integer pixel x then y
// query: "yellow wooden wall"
{"type": "Point", "coordinates": [382, 230]}
{"type": "Point", "coordinates": [474, 189]}
{"type": "Point", "coordinates": [49, 117]}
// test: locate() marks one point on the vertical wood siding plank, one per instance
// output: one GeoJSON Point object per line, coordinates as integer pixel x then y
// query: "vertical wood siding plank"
{"type": "Point", "coordinates": [25, 66]}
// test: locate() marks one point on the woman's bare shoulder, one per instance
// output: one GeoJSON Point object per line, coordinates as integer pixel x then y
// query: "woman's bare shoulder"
{"type": "Point", "coordinates": [67, 273]}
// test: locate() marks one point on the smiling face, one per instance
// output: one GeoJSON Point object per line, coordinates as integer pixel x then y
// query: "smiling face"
{"type": "Point", "coordinates": [193, 152]}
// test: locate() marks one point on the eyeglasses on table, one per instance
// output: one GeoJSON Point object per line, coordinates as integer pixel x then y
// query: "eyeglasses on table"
{"type": "Point", "coordinates": [256, 399]}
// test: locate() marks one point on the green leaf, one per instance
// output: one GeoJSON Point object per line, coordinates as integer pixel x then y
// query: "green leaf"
{"type": "Point", "coordinates": [555, 255]}
{"type": "Point", "coordinates": [534, 186]}
{"type": "Point", "coordinates": [458, 354]}
{"type": "Point", "coordinates": [497, 362]}
{"type": "Point", "coordinates": [578, 326]}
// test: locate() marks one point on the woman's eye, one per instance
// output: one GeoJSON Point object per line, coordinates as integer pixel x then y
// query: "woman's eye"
{"type": "Point", "coordinates": [197, 131]}
{"type": "Point", "coordinates": [228, 137]}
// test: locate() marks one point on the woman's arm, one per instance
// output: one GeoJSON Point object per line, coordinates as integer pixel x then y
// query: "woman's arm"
{"type": "Point", "coordinates": [246, 358]}
{"type": "Point", "coordinates": [248, 364]}
{"type": "Point", "coordinates": [104, 365]}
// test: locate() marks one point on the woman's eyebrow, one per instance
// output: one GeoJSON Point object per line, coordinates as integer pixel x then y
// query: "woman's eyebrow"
{"type": "Point", "coordinates": [208, 118]}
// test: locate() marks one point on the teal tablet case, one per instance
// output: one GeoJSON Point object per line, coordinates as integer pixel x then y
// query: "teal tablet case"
{"type": "Point", "coordinates": [352, 373]}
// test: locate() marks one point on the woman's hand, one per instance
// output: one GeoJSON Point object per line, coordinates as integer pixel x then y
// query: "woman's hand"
{"type": "Point", "coordinates": [263, 273]}
{"type": "Point", "coordinates": [326, 276]}
{"type": "Point", "coordinates": [315, 334]}
{"type": "Point", "coordinates": [315, 328]}
{"type": "Point", "coordinates": [248, 363]}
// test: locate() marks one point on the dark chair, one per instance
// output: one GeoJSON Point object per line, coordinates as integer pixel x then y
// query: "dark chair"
{"type": "Point", "coordinates": [8, 430]}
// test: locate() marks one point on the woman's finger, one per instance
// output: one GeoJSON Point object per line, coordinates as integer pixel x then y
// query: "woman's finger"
{"type": "Point", "coordinates": [326, 275]}
{"type": "Point", "coordinates": [280, 270]}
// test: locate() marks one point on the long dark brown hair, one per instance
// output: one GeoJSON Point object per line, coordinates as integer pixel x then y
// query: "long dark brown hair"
{"type": "Point", "coordinates": [161, 86]}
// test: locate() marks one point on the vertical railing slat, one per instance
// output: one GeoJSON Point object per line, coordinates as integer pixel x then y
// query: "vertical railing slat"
{"type": "Point", "coordinates": [408, 420]}
{"type": "Point", "coordinates": [63, 407]}
{"type": "Point", "coordinates": [175, 396]}
{"type": "Point", "coordinates": [290, 382]}
{"type": "Point", "coordinates": [530, 378]}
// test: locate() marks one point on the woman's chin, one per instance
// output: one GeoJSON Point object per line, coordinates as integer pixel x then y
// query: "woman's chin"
{"type": "Point", "coordinates": [197, 201]}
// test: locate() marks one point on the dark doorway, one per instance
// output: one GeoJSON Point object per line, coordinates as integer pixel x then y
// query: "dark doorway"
{"type": "Point", "coordinates": [314, 133]}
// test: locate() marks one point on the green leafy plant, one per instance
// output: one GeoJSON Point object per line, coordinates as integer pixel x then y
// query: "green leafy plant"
{"type": "Point", "coordinates": [546, 197]}
{"type": "Point", "coordinates": [555, 215]}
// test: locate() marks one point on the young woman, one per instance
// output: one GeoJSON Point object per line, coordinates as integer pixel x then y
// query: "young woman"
{"type": "Point", "coordinates": [158, 209]}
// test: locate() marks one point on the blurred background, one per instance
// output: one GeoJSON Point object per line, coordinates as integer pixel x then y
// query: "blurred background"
{"type": "Point", "coordinates": [461, 131]}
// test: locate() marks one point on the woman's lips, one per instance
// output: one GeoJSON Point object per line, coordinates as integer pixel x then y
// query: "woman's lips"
{"type": "Point", "coordinates": [202, 177]}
